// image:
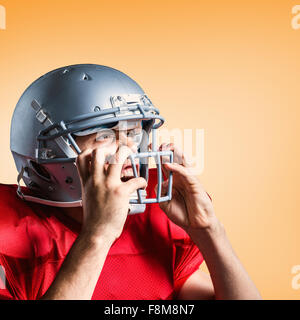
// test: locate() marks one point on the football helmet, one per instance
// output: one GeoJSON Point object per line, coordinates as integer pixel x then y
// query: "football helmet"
{"type": "Point", "coordinates": [73, 101]}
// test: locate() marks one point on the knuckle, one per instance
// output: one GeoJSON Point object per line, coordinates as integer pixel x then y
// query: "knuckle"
{"type": "Point", "coordinates": [94, 182]}
{"type": "Point", "coordinates": [180, 159]}
{"type": "Point", "coordinates": [164, 146]}
{"type": "Point", "coordinates": [94, 153]}
{"type": "Point", "coordinates": [206, 204]}
{"type": "Point", "coordinates": [109, 183]}
{"type": "Point", "coordinates": [84, 153]}
{"type": "Point", "coordinates": [119, 191]}
{"type": "Point", "coordinates": [142, 181]}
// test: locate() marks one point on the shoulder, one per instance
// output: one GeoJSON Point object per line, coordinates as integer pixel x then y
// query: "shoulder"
{"type": "Point", "coordinates": [11, 206]}
{"type": "Point", "coordinates": [13, 221]}
{"type": "Point", "coordinates": [27, 230]}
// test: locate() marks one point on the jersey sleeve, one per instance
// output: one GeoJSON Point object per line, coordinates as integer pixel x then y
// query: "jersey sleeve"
{"type": "Point", "coordinates": [27, 248]}
{"type": "Point", "coordinates": [187, 259]}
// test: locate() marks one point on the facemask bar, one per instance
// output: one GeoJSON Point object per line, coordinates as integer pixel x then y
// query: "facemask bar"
{"type": "Point", "coordinates": [156, 155]}
{"type": "Point", "coordinates": [65, 129]}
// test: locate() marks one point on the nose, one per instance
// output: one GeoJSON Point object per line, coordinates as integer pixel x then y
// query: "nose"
{"type": "Point", "coordinates": [127, 141]}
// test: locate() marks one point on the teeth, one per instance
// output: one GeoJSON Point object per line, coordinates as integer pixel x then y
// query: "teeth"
{"type": "Point", "coordinates": [127, 173]}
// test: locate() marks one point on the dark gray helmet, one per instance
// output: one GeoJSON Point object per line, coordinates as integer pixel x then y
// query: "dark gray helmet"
{"type": "Point", "coordinates": [77, 100]}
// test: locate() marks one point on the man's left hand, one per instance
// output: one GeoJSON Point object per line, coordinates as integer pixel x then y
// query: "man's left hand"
{"type": "Point", "coordinates": [190, 208]}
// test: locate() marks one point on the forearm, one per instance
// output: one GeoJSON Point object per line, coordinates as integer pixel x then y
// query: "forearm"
{"type": "Point", "coordinates": [80, 271]}
{"type": "Point", "coordinates": [230, 279]}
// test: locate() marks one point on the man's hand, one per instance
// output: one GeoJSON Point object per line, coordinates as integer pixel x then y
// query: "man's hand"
{"type": "Point", "coordinates": [105, 208]}
{"type": "Point", "coordinates": [191, 207]}
{"type": "Point", "coordinates": [105, 197]}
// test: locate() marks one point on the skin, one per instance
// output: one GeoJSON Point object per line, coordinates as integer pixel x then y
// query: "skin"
{"type": "Point", "coordinates": [191, 208]}
{"type": "Point", "coordinates": [104, 212]}
{"type": "Point", "coordinates": [105, 208]}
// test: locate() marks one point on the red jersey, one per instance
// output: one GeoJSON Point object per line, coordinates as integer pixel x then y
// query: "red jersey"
{"type": "Point", "coordinates": [150, 260]}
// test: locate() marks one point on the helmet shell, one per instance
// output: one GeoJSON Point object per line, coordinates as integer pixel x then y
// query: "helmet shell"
{"type": "Point", "coordinates": [64, 93]}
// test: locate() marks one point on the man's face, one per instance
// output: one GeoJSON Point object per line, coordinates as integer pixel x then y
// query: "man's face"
{"type": "Point", "coordinates": [125, 133]}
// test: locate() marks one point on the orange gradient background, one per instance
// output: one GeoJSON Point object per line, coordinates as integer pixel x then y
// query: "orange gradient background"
{"type": "Point", "coordinates": [228, 67]}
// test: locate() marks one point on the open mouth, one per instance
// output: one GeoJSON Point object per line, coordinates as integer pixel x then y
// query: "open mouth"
{"type": "Point", "coordinates": [127, 172]}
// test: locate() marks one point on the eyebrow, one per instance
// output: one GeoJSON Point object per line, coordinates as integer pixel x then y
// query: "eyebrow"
{"type": "Point", "coordinates": [117, 129]}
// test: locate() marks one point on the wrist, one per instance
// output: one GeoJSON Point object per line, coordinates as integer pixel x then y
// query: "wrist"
{"type": "Point", "coordinates": [97, 238]}
{"type": "Point", "coordinates": [212, 233]}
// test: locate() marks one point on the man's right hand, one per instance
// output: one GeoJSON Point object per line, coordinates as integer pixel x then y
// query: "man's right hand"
{"type": "Point", "coordinates": [105, 198]}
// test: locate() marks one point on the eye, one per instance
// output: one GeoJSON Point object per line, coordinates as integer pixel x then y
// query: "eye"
{"type": "Point", "coordinates": [136, 135]}
{"type": "Point", "coordinates": [134, 132]}
{"type": "Point", "coordinates": [106, 136]}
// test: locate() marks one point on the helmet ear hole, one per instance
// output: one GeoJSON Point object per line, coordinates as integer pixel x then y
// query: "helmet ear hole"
{"type": "Point", "coordinates": [40, 171]}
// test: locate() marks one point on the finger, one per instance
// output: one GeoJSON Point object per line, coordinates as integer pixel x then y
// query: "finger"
{"type": "Point", "coordinates": [162, 147]}
{"type": "Point", "coordinates": [165, 147]}
{"type": "Point", "coordinates": [164, 188]}
{"type": "Point", "coordinates": [115, 168]}
{"type": "Point", "coordinates": [166, 159]}
{"type": "Point", "coordinates": [134, 184]}
{"type": "Point", "coordinates": [163, 159]}
{"type": "Point", "coordinates": [151, 144]}
{"type": "Point", "coordinates": [179, 156]}
{"type": "Point", "coordinates": [185, 173]}
{"type": "Point", "coordinates": [83, 164]}
{"type": "Point", "coordinates": [176, 168]}
{"type": "Point", "coordinates": [98, 160]}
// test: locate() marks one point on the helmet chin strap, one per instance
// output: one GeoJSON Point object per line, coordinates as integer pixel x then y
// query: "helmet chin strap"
{"type": "Point", "coordinates": [133, 208]}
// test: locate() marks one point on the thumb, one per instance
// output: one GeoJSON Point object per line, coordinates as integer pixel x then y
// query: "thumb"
{"type": "Point", "coordinates": [135, 183]}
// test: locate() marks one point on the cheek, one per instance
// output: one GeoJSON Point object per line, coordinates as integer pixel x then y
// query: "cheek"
{"type": "Point", "coordinates": [91, 143]}
{"type": "Point", "coordinates": [84, 143]}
